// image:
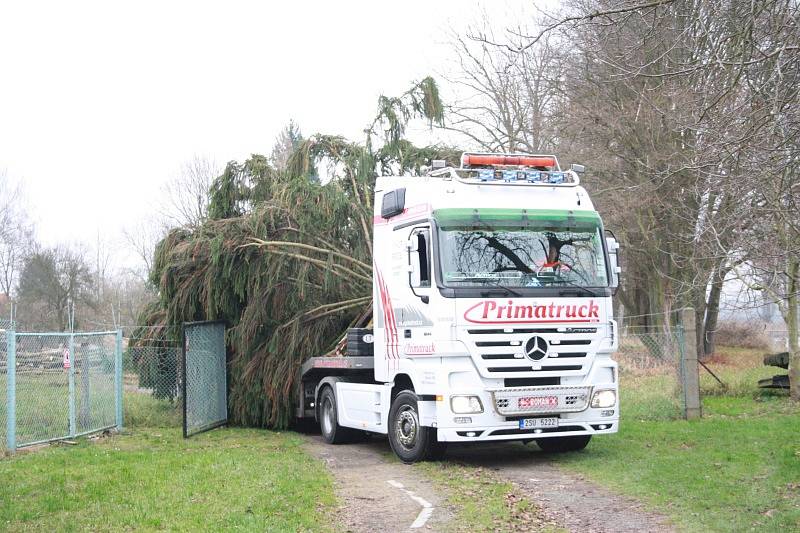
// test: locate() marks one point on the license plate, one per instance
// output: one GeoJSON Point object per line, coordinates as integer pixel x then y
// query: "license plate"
{"type": "Point", "coordinates": [531, 402]}
{"type": "Point", "coordinates": [537, 423]}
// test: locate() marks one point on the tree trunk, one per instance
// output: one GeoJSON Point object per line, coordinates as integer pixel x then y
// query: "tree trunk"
{"type": "Point", "coordinates": [793, 328]}
{"type": "Point", "coordinates": [699, 304]}
{"type": "Point", "coordinates": [712, 312]}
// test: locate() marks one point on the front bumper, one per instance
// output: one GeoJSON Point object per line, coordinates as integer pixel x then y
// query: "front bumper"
{"type": "Point", "coordinates": [502, 412]}
{"type": "Point", "coordinates": [510, 430]}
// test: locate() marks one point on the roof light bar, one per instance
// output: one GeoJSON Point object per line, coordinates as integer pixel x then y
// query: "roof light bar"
{"type": "Point", "coordinates": [472, 160]}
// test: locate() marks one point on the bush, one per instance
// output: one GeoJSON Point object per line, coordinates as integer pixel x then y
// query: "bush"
{"type": "Point", "coordinates": [742, 335]}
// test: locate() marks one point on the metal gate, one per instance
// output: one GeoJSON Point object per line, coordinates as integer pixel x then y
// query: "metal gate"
{"type": "Point", "coordinates": [205, 377]}
{"type": "Point", "coordinates": [58, 385]}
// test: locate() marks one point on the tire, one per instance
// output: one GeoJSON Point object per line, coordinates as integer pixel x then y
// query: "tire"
{"type": "Point", "coordinates": [563, 444]}
{"type": "Point", "coordinates": [331, 431]}
{"type": "Point", "coordinates": [410, 441]}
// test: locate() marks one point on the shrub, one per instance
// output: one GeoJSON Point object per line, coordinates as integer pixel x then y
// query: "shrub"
{"type": "Point", "coordinates": [742, 335]}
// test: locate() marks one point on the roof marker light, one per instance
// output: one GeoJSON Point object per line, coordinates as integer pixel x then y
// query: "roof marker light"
{"type": "Point", "coordinates": [486, 174]}
{"type": "Point", "coordinates": [533, 176]}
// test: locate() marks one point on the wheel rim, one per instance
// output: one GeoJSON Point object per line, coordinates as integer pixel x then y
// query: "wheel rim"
{"type": "Point", "coordinates": [327, 416]}
{"type": "Point", "coordinates": [406, 427]}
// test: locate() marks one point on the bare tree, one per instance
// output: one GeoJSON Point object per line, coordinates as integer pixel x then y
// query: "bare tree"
{"type": "Point", "coordinates": [142, 239]}
{"type": "Point", "coordinates": [16, 234]}
{"type": "Point", "coordinates": [50, 280]}
{"type": "Point", "coordinates": [187, 195]}
{"type": "Point", "coordinates": [675, 104]}
{"type": "Point", "coordinates": [506, 99]}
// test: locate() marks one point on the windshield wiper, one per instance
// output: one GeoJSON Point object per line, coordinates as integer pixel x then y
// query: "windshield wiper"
{"type": "Point", "coordinates": [508, 290]}
{"type": "Point", "coordinates": [572, 284]}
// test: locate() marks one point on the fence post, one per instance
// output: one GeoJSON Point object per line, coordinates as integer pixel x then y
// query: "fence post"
{"type": "Point", "coordinates": [11, 391]}
{"type": "Point", "coordinates": [71, 381]}
{"type": "Point", "coordinates": [118, 378]}
{"type": "Point", "coordinates": [690, 374]}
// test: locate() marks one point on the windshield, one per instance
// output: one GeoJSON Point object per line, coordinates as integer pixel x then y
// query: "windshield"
{"type": "Point", "coordinates": [554, 254]}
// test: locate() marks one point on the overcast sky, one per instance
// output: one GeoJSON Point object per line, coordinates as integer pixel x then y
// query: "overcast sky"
{"type": "Point", "coordinates": [101, 103]}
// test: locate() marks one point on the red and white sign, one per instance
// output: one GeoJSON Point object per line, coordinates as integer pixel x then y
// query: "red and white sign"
{"type": "Point", "coordinates": [529, 402]}
{"type": "Point", "coordinates": [511, 312]}
{"type": "Point", "coordinates": [67, 363]}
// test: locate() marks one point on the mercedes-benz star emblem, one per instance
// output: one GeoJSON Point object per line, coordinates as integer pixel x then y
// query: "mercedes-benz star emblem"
{"type": "Point", "coordinates": [536, 348]}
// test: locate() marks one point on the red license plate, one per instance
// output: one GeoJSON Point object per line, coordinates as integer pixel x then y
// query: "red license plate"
{"type": "Point", "coordinates": [528, 402]}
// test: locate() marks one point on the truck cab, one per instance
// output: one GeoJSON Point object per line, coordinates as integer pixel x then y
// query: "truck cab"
{"type": "Point", "coordinates": [492, 314]}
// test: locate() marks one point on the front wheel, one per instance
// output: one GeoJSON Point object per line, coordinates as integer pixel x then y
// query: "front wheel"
{"type": "Point", "coordinates": [411, 441]}
{"type": "Point", "coordinates": [563, 444]}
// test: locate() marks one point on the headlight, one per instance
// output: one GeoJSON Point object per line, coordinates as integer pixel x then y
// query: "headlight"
{"type": "Point", "coordinates": [466, 404]}
{"type": "Point", "coordinates": [604, 398]}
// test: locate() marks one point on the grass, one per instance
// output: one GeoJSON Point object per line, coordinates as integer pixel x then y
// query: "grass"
{"type": "Point", "coordinates": [483, 502]}
{"type": "Point", "coordinates": [142, 410]}
{"type": "Point", "coordinates": [152, 479]}
{"type": "Point", "coordinates": [736, 469]}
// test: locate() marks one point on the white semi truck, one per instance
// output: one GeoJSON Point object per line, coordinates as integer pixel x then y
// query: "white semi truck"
{"type": "Point", "coordinates": [492, 315]}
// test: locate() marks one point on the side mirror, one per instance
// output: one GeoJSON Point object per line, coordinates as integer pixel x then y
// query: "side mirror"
{"type": "Point", "coordinates": [577, 169]}
{"type": "Point", "coordinates": [613, 258]}
{"type": "Point", "coordinates": [419, 270]}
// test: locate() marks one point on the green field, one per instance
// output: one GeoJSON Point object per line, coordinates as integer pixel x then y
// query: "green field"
{"type": "Point", "coordinates": [152, 479]}
{"type": "Point", "coordinates": [736, 469]}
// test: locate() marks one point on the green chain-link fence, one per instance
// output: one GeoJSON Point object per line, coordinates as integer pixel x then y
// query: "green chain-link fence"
{"type": "Point", "coordinates": [59, 385]}
{"type": "Point", "coordinates": [205, 377]}
{"type": "Point", "coordinates": [3, 391]}
{"type": "Point", "coordinates": [154, 370]}
{"type": "Point", "coordinates": [152, 377]}
{"type": "Point", "coordinates": [651, 370]}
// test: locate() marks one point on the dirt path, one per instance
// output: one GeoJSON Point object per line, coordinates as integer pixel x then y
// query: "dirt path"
{"type": "Point", "coordinates": [378, 492]}
{"type": "Point", "coordinates": [565, 498]}
{"type": "Point", "coordinates": [382, 494]}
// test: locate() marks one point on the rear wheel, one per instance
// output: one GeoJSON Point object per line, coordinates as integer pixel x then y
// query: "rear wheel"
{"type": "Point", "coordinates": [411, 441]}
{"type": "Point", "coordinates": [332, 432]}
{"type": "Point", "coordinates": [563, 444]}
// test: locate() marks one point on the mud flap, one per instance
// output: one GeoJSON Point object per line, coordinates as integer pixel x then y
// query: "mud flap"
{"type": "Point", "coordinates": [427, 411]}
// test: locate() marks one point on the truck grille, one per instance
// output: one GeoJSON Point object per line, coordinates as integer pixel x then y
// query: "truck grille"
{"type": "Point", "coordinates": [500, 353]}
{"type": "Point", "coordinates": [569, 400]}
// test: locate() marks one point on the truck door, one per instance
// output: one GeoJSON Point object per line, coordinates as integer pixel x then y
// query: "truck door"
{"type": "Point", "coordinates": [415, 320]}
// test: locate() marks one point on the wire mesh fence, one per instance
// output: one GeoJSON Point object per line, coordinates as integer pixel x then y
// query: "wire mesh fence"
{"type": "Point", "coordinates": [3, 391]}
{"type": "Point", "coordinates": [152, 382]}
{"type": "Point", "coordinates": [95, 390]}
{"type": "Point", "coordinates": [58, 385]}
{"type": "Point", "coordinates": [205, 377]}
{"type": "Point", "coordinates": [651, 372]}
{"type": "Point", "coordinates": [154, 370]}
{"type": "Point", "coordinates": [42, 388]}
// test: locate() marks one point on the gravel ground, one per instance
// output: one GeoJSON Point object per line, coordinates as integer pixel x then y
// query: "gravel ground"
{"type": "Point", "coordinates": [379, 493]}
{"type": "Point", "coordinates": [568, 499]}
